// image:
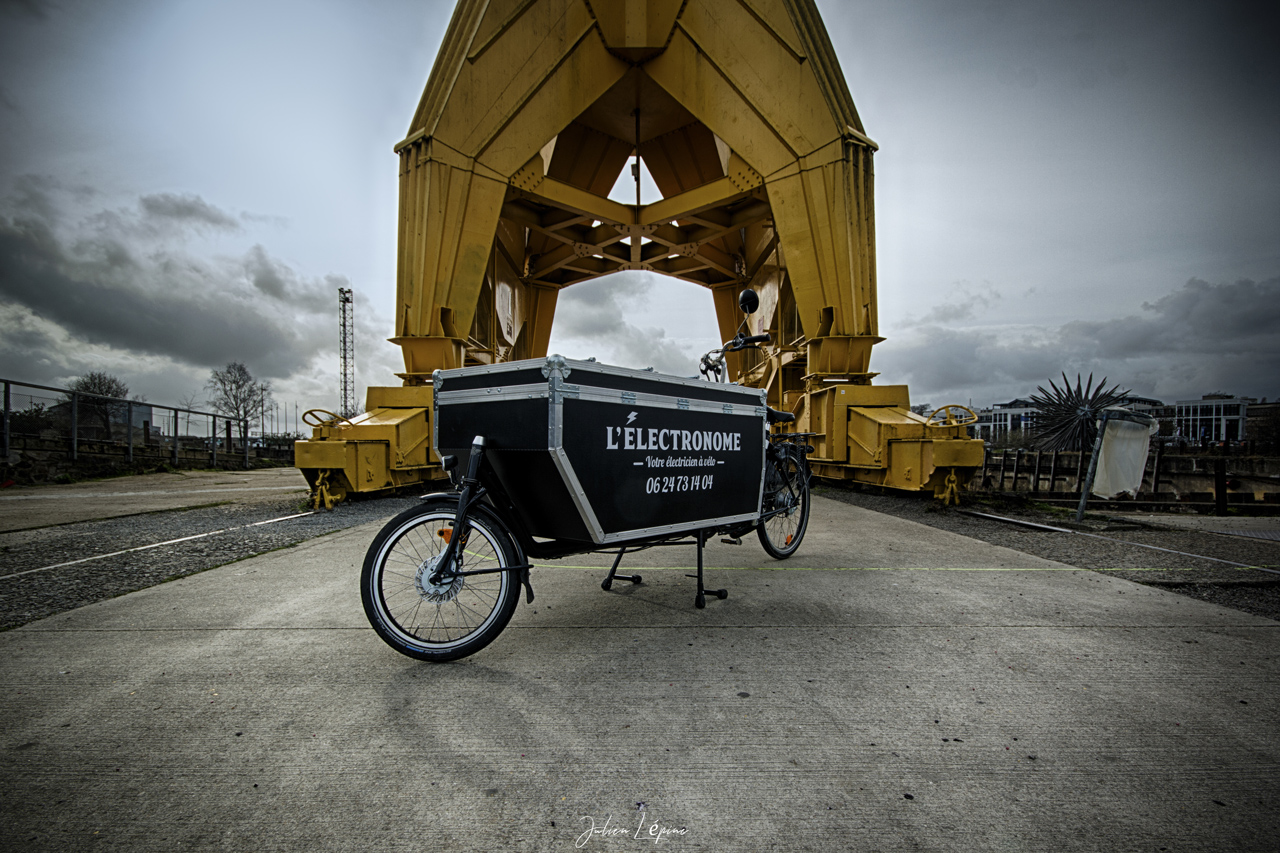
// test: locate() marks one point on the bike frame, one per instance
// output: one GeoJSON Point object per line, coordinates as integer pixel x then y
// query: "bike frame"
{"type": "Point", "coordinates": [546, 469]}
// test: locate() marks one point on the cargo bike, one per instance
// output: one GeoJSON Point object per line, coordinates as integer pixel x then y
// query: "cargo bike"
{"type": "Point", "coordinates": [554, 457]}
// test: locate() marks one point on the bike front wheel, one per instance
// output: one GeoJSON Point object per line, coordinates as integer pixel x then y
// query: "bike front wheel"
{"type": "Point", "coordinates": [785, 509]}
{"type": "Point", "coordinates": [426, 617]}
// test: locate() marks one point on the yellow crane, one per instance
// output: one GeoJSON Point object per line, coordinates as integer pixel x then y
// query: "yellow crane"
{"type": "Point", "coordinates": [739, 110]}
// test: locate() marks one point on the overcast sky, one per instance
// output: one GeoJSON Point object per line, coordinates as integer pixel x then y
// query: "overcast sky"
{"type": "Point", "coordinates": [1062, 186]}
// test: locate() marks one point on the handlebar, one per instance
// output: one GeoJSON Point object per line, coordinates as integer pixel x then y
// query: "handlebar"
{"type": "Point", "coordinates": [713, 362]}
{"type": "Point", "coordinates": [740, 342]}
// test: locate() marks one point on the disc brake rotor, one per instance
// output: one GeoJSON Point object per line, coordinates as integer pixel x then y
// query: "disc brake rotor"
{"type": "Point", "coordinates": [446, 589]}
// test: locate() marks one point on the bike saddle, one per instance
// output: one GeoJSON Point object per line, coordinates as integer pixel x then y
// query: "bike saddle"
{"type": "Point", "coordinates": [777, 417]}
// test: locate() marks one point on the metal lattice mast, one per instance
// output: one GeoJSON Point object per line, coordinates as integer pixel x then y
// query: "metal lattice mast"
{"type": "Point", "coordinates": [348, 341]}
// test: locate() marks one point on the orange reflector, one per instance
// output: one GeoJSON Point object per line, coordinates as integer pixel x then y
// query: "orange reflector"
{"type": "Point", "coordinates": [445, 533]}
{"type": "Point", "coordinates": [788, 538]}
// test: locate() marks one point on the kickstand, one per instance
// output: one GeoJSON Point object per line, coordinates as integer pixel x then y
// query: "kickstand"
{"type": "Point", "coordinates": [700, 601]}
{"type": "Point", "coordinates": [613, 573]}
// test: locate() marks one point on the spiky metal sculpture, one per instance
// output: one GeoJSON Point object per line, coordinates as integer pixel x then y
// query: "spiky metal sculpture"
{"type": "Point", "coordinates": [1068, 417]}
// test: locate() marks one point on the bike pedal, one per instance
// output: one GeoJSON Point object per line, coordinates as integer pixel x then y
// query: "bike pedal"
{"type": "Point", "coordinates": [729, 541]}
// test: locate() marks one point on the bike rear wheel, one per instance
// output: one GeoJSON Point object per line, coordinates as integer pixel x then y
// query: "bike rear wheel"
{"type": "Point", "coordinates": [785, 509]}
{"type": "Point", "coordinates": [445, 619]}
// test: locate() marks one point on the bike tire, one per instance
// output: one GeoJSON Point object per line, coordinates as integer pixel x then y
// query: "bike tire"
{"type": "Point", "coordinates": [444, 622]}
{"type": "Point", "coordinates": [786, 487]}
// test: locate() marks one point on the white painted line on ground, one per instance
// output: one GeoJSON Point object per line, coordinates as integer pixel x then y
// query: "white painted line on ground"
{"type": "Point", "coordinates": [1273, 535]}
{"type": "Point", "coordinates": [1033, 524]}
{"type": "Point", "coordinates": [155, 545]}
{"type": "Point", "coordinates": [85, 495]}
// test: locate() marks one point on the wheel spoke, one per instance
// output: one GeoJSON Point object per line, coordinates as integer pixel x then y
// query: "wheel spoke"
{"type": "Point", "coordinates": [787, 506]}
{"type": "Point", "coordinates": [446, 614]}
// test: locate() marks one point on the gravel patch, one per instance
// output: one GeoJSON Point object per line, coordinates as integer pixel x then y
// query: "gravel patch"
{"type": "Point", "coordinates": [27, 597]}
{"type": "Point", "coordinates": [1114, 546]}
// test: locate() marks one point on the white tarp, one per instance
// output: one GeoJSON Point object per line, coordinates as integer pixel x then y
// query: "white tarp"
{"type": "Point", "coordinates": [1123, 457]}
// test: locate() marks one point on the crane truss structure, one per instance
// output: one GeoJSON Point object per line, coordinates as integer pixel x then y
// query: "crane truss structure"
{"type": "Point", "coordinates": [347, 342]}
{"type": "Point", "coordinates": [741, 115]}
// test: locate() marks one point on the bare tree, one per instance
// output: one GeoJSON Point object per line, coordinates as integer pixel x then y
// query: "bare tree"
{"type": "Point", "coordinates": [235, 393]}
{"type": "Point", "coordinates": [189, 402]}
{"type": "Point", "coordinates": [99, 393]}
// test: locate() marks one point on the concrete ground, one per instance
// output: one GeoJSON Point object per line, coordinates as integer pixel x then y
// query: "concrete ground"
{"type": "Point", "coordinates": [892, 687]}
{"type": "Point", "coordinates": [25, 507]}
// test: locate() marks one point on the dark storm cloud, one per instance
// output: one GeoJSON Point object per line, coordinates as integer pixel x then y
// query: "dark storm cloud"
{"type": "Point", "coordinates": [24, 336]}
{"type": "Point", "coordinates": [33, 196]}
{"type": "Point", "coordinates": [38, 9]}
{"type": "Point", "coordinates": [1202, 319]}
{"type": "Point", "coordinates": [1031, 142]}
{"type": "Point", "coordinates": [166, 218]}
{"type": "Point", "coordinates": [187, 209]}
{"type": "Point", "coordinates": [1199, 338]}
{"type": "Point", "coordinates": [965, 302]}
{"type": "Point", "coordinates": [593, 311]}
{"type": "Point", "coordinates": [594, 316]}
{"type": "Point", "coordinates": [271, 278]}
{"type": "Point", "coordinates": [103, 281]}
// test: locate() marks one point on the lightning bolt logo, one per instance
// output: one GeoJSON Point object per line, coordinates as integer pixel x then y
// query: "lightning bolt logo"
{"type": "Point", "coordinates": [631, 417]}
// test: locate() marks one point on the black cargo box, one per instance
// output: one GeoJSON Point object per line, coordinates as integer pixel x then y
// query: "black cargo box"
{"type": "Point", "coordinates": [601, 454]}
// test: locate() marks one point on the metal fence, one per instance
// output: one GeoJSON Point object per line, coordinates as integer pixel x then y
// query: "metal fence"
{"type": "Point", "coordinates": [44, 419]}
{"type": "Point", "coordinates": [1171, 474]}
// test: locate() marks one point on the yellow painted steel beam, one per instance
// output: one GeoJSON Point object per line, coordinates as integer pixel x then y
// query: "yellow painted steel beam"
{"type": "Point", "coordinates": [568, 197]}
{"type": "Point", "coordinates": [690, 202]}
{"type": "Point", "coordinates": [739, 109]}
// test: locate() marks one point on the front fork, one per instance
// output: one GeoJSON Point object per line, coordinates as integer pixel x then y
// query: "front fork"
{"type": "Point", "coordinates": [470, 491]}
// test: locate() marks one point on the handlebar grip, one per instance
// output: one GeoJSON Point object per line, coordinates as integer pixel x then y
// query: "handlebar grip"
{"type": "Point", "coordinates": [741, 342]}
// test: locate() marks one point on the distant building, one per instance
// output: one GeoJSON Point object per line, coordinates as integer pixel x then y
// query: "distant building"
{"type": "Point", "coordinates": [1263, 427]}
{"type": "Point", "coordinates": [1145, 405]}
{"type": "Point", "coordinates": [91, 412]}
{"type": "Point", "coordinates": [1000, 419]}
{"type": "Point", "coordinates": [1214, 417]}
{"type": "Point", "coordinates": [1165, 415]}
